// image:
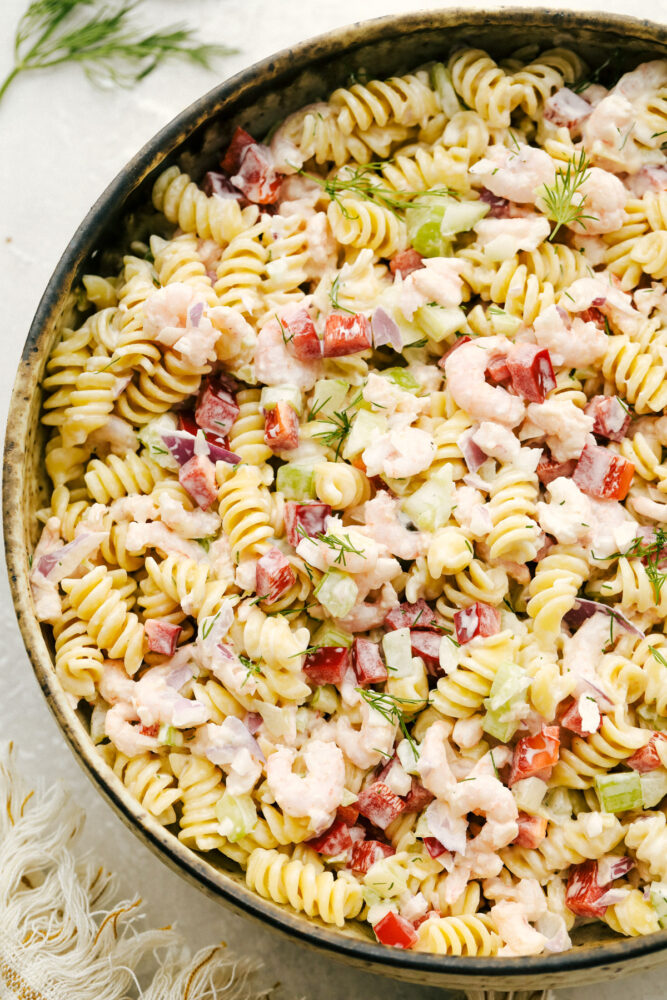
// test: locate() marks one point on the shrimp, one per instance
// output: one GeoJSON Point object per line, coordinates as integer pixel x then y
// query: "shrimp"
{"type": "Point", "coordinates": [465, 368]}
{"type": "Point", "coordinates": [371, 614]}
{"type": "Point", "coordinates": [274, 365]}
{"type": "Point", "coordinates": [570, 342]}
{"type": "Point", "coordinates": [434, 766]}
{"type": "Point", "coordinates": [515, 174]}
{"type": "Point", "coordinates": [382, 522]}
{"type": "Point", "coordinates": [611, 302]}
{"type": "Point", "coordinates": [367, 746]}
{"type": "Point", "coordinates": [497, 441]}
{"type": "Point", "coordinates": [520, 938]}
{"type": "Point", "coordinates": [606, 131]}
{"type": "Point", "coordinates": [400, 453]}
{"type": "Point", "coordinates": [120, 726]}
{"type": "Point", "coordinates": [234, 749]}
{"type": "Point", "coordinates": [156, 698]}
{"type": "Point", "coordinates": [188, 523]}
{"type": "Point", "coordinates": [567, 428]}
{"type": "Point", "coordinates": [603, 198]}
{"type": "Point", "coordinates": [115, 684]}
{"type": "Point", "coordinates": [319, 792]}
{"type": "Point", "coordinates": [176, 317]}
{"type": "Point", "coordinates": [157, 535]}
{"type": "Point", "coordinates": [237, 339]}
{"type": "Point", "coordinates": [439, 281]}
{"type": "Point", "coordinates": [116, 435]}
{"type": "Point", "coordinates": [388, 397]}
{"type": "Point", "coordinates": [502, 238]}
{"type": "Point", "coordinates": [647, 77]}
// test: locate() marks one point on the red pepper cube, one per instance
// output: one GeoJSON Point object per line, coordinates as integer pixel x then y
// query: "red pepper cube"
{"type": "Point", "coordinates": [395, 931]}
{"type": "Point", "coordinates": [603, 475]}
{"type": "Point", "coordinates": [405, 262]}
{"type": "Point", "coordinates": [335, 840]}
{"type": "Point", "coordinates": [549, 469]}
{"type": "Point", "coordinates": [430, 914]}
{"type": "Point", "coordinates": [301, 337]}
{"type": "Point", "coordinates": [197, 477]}
{"type": "Point", "coordinates": [152, 730]}
{"type": "Point", "coordinates": [583, 891]}
{"type": "Point", "coordinates": [281, 427]}
{"type": "Point", "coordinates": [478, 619]}
{"type": "Point", "coordinates": [532, 830]}
{"type": "Point", "coordinates": [427, 645]}
{"type": "Point", "coordinates": [346, 334]}
{"type": "Point", "coordinates": [379, 804]}
{"type": "Point", "coordinates": [275, 576]}
{"type": "Point", "coordinates": [305, 519]}
{"type": "Point", "coordinates": [327, 665]}
{"type": "Point", "coordinates": [534, 756]}
{"type": "Point", "coordinates": [217, 184]}
{"type": "Point", "coordinates": [367, 662]}
{"type": "Point", "coordinates": [187, 422]}
{"type": "Point", "coordinates": [434, 847]}
{"type": "Point", "coordinates": [531, 372]}
{"type": "Point", "coordinates": [612, 419]}
{"type": "Point", "coordinates": [497, 370]}
{"type": "Point", "coordinates": [348, 814]}
{"type": "Point", "coordinates": [500, 208]}
{"type": "Point", "coordinates": [216, 408]}
{"type": "Point", "coordinates": [593, 315]}
{"type": "Point", "coordinates": [162, 636]}
{"type": "Point", "coordinates": [366, 852]}
{"type": "Point", "coordinates": [237, 147]}
{"type": "Point", "coordinates": [459, 342]}
{"type": "Point", "coordinates": [571, 719]}
{"type": "Point", "coordinates": [418, 615]}
{"type": "Point", "coordinates": [647, 757]}
{"type": "Point", "coordinates": [418, 797]}
{"type": "Point", "coordinates": [256, 175]}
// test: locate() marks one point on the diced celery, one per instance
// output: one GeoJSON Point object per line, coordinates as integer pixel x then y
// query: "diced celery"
{"type": "Point", "coordinates": [429, 242]}
{"type": "Point", "coordinates": [449, 654]}
{"type": "Point", "coordinates": [170, 736]}
{"type": "Point", "coordinates": [441, 81]}
{"type": "Point", "coordinates": [328, 397]}
{"type": "Point", "coordinates": [558, 802]}
{"type": "Point", "coordinates": [461, 216]}
{"type": "Point", "coordinates": [236, 815]}
{"type": "Point", "coordinates": [387, 878]}
{"type": "Point", "coordinates": [619, 791]}
{"type": "Point", "coordinates": [348, 797]}
{"type": "Point", "coordinates": [337, 592]}
{"type": "Point", "coordinates": [654, 787]}
{"type": "Point", "coordinates": [430, 506]}
{"type": "Point", "coordinates": [423, 223]}
{"type": "Point", "coordinates": [407, 758]}
{"type": "Point", "coordinates": [440, 322]}
{"type": "Point", "coordinates": [274, 394]}
{"type": "Point", "coordinates": [330, 635]}
{"type": "Point", "coordinates": [280, 722]}
{"type": "Point", "coordinates": [499, 725]}
{"type": "Point", "coordinates": [305, 717]}
{"type": "Point", "coordinates": [398, 652]}
{"type": "Point", "coordinates": [324, 699]}
{"type": "Point", "coordinates": [296, 482]}
{"type": "Point", "coordinates": [659, 901]}
{"type": "Point", "coordinates": [529, 794]}
{"type": "Point", "coordinates": [402, 378]}
{"type": "Point", "coordinates": [366, 427]}
{"type": "Point", "coordinates": [651, 719]}
{"type": "Point", "coordinates": [150, 436]}
{"type": "Point", "coordinates": [422, 829]}
{"type": "Point", "coordinates": [505, 698]}
{"type": "Point", "coordinates": [503, 322]}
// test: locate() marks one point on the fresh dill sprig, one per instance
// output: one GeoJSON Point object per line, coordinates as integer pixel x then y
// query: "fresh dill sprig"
{"type": "Point", "coordinates": [367, 184]}
{"type": "Point", "coordinates": [559, 197]}
{"type": "Point", "coordinates": [336, 542]}
{"type": "Point", "coordinates": [657, 655]}
{"type": "Point", "coordinates": [650, 553]}
{"type": "Point", "coordinates": [334, 292]}
{"type": "Point", "coordinates": [101, 36]}
{"type": "Point", "coordinates": [341, 425]}
{"type": "Point", "coordinates": [250, 666]}
{"type": "Point", "coordinates": [389, 707]}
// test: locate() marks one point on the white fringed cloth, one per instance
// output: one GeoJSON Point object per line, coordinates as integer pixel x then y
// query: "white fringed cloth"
{"type": "Point", "coordinates": [64, 935]}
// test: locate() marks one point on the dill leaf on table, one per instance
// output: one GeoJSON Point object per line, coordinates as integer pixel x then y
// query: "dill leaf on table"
{"type": "Point", "coordinates": [102, 37]}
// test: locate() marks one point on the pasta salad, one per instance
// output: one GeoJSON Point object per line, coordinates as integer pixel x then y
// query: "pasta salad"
{"type": "Point", "coordinates": [355, 550]}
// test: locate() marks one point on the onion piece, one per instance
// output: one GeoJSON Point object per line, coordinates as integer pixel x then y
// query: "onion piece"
{"type": "Point", "coordinates": [584, 609]}
{"type": "Point", "coordinates": [473, 456]}
{"type": "Point", "coordinates": [385, 330]}
{"type": "Point", "coordinates": [62, 562]}
{"type": "Point", "coordinates": [121, 383]}
{"type": "Point", "coordinates": [613, 866]}
{"type": "Point", "coordinates": [181, 445]}
{"type": "Point", "coordinates": [612, 896]}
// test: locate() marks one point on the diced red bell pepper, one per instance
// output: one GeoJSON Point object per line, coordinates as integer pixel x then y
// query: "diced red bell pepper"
{"type": "Point", "coordinates": [612, 419]}
{"type": "Point", "coordinates": [215, 183]}
{"type": "Point", "coordinates": [366, 852]}
{"type": "Point", "coordinates": [593, 315]}
{"type": "Point", "coordinates": [434, 847]}
{"type": "Point", "coordinates": [152, 730]}
{"type": "Point", "coordinates": [459, 342]}
{"type": "Point", "coordinates": [346, 334]}
{"type": "Point", "coordinates": [281, 427]}
{"type": "Point", "coordinates": [500, 207]}
{"type": "Point", "coordinates": [256, 175]}
{"type": "Point", "coordinates": [478, 619]}
{"type": "Point", "coordinates": [531, 372]}
{"type": "Point", "coordinates": [497, 370]}
{"type": "Point", "coordinates": [549, 469]}
{"type": "Point", "coordinates": [532, 830]}
{"type": "Point", "coordinates": [197, 477]}
{"type": "Point", "coordinates": [603, 475]}
{"type": "Point", "coordinates": [418, 615]}
{"type": "Point", "coordinates": [327, 665]}
{"type": "Point", "coordinates": [571, 719]}
{"type": "Point", "coordinates": [231, 161]}
{"type": "Point", "coordinates": [647, 758]}
{"type": "Point", "coordinates": [583, 891]}
{"type": "Point", "coordinates": [430, 914]}
{"type": "Point", "coordinates": [162, 636]}
{"type": "Point", "coordinates": [367, 662]}
{"type": "Point", "coordinates": [275, 576]}
{"type": "Point", "coordinates": [395, 931]}
{"type": "Point", "coordinates": [418, 797]}
{"type": "Point", "coordinates": [301, 337]}
{"type": "Point", "coordinates": [333, 841]}
{"type": "Point", "coordinates": [405, 262]}
{"type": "Point", "coordinates": [305, 518]}
{"type": "Point", "coordinates": [379, 804]}
{"type": "Point", "coordinates": [216, 408]}
{"type": "Point", "coordinates": [534, 756]}
{"type": "Point", "coordinates": [348, 814]}
{"type": "Point", "coordinates": [187, 422]}
{"type": "Point", "coordinates": [427, 645]}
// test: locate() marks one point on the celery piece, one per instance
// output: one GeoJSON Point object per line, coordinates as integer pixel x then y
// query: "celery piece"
{"type": "Point", "coordinates": [441, 81]}
{"type": "Point", "coordinates": [386, 878]}
{"type": "Point", "coordinates": [398, 652]}
{"type": "Point", "coordinates": [348, 797]}
{"type": "Point", "coordinates": [461, 216]}
{"type": "Point", "coordinates": [529, 794]}
{"type": "Point", "coordinates": [506, 696]}
{"type": "Point", "coordinates": [328, 397]}
{"type": "Point", "coordinates": [422, 829]}
{"type": "Point", "coordinates": [150, 436]}
{"type": "Point", "coordinates": [654, 787]}
{"type": "Point", "coordinates": [236, 815]}
{"type": "Point", "coordinates": [429, 242]}
{"type": "Point", "coordinates": [324, 699]}
{"type": "Point", "coordinates": [170, 736]}
{"type": "Point", "coordinates": [440, 322]}
{"type": "Point", "coordinates": [337, 593]}
{"type": "Point", "coordinates": [274, 394]}
{"type": "Point", "coordinates": [651, 719]}
{"type": "Point", "coordinates": [366, 428]}
{"type": "Point", "coordinates": [659, 901]}
{"type": "Point", "coordinates": [503, 322]}
{"type": "Point", "coordinates": [619, 792]}
{"type": "Point", "coordinates": [405, 754]}
{"type": "Point", "coordinates": [296, 482]}
{"type": "Point", "coordinates": [330, 635]}
{"type": "Point", "coordinates": [430, 506]}
{"type": "Point", "coordinates": [402, 378]}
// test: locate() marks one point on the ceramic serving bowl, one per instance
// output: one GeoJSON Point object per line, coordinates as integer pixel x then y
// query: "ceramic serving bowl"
{"type": "Point", "coordinates": [257, 99]}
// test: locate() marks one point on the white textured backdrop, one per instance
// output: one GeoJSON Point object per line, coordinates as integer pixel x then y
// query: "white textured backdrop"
{"type": "Point", "coordinates": [61, 142]}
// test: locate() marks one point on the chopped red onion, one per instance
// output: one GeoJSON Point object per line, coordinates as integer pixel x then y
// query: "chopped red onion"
{"type": "Point", "coordinates": [584, 609]}
{"type": "Point", "coordinates": [233, 736]}
{"type": "Point", "coordinates": [385, 330]}
{"type": "Point", "coordinates": [195, 313]}
{"type": "Point", "coordinates": [613, 866]}
{"type": "Point", "coordinates": [473, 455]}
{"type": "Point", "coordinates": [181, 445]}
{"type": "Point", "coordinates": [612, 896]}
{"type": "Point", "coordinates": [599, 301]}
{"type": "Point", "coordinates": [121, 383]}
{"type": "Point", "coordinates": [60, 563]}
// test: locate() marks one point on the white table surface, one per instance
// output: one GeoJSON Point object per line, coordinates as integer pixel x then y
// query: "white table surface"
{"type": "Point", "coordinates": [61, 142]}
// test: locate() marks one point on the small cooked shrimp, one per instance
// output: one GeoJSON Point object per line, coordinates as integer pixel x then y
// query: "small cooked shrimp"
{"type": "Point", "coordinates": [433, 765]}
{"type": "Point", "coordinates": [570, 342]}
{"type": "Point", "coordinates": [400, 453]}
{"type": "Point", "coordinates": [188, 523]}
{"type": "Point", "coordinates": [237, 339]}
{"type": "Point", "coordinates": [367, 746]}
{"type": "Point", "coordinates": [502, 238]}
{"type": "Point", "coordinates": [371, 614]}
{"type": "Point", "coordinates": [382, 522]}
{"type": "Point", "coordinates": [603, 198]}
{"type": "Point", "coordinates": [520, 938]}
{"type": "Point", "coordinates": [157, 699]}
{"type": "Point", "coordinates": [567, 428]}
{"type": "Point", "coordinates": [439, 281]}
{"type": "Point", "coordinates": [115, 683]}
{"type": "Point", "coordinates": [157, 535]}
{"type": "Point", "coordinates": [274, 365]}
{"type": "Point", "coordinates": [516, 175]}
{"type": "Point", "coordinates": [319, 792]}
{"type": "Point", "coordinates": [607, 135]}
{"type": "Point", "coordinates": [465, 368]}
{"type": "Point", "coordinates": [120, 725]}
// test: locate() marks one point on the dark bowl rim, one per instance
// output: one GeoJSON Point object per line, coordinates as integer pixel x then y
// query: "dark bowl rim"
{"type": "Point", "coordinates": [186, 862]}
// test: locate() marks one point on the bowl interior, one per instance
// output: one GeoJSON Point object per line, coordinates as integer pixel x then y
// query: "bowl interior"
{"type": "Point", "coordinates": [258, 99]}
